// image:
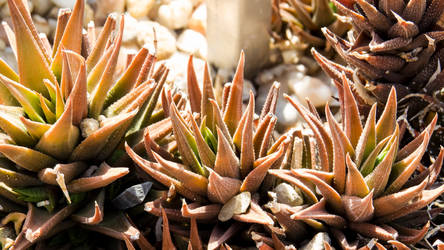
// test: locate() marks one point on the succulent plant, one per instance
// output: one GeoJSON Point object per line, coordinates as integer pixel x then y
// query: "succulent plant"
{"type": "Point", "coordinates": [367, 184]}
{"type": "Point", "coordinates": [395, 43]}
{"type": "Point", "coordinates": [65, 112]}
{"type": "Point", "coordinates": [305, 18]}
{"type": "Point", "coordinates": [216, 158]}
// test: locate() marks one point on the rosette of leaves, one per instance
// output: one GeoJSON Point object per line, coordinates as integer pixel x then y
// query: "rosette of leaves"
{"type": "Point", "coordinates": [62, 115]}
{"type": "Point", "coordinates": [216, 158]}
{"type": "Point", "coordinates": [368, 185]}
{"type": "Point", "coordinates": [395, 43]}
{"type": "Point", "coordinates": [305, 18]}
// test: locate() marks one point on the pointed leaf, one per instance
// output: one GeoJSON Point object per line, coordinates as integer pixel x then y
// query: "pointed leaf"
{"type": "Point", "coordinates": [104, 176]}
{"type": "Point", "coordinates": [233, 111]}
{"type": "Point", "coordinates": [27, 158]}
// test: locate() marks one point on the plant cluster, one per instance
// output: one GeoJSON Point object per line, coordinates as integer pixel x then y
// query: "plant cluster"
{"type": "Point", "coordinates": [201, 174]}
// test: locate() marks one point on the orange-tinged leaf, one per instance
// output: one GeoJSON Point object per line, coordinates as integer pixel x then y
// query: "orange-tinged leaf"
{"type": "Point", "coordinates": [359, 209]}
{"type": "Point", "coordinates": [91, 146]}
{"type": "Point", "coordinates": [221, 189]}
{"type": "Point", "coordinates": [379, 177]}
{"type": "Point", "coordinates": [128, 80]}
{"type": "Point", "coordinates": [233, 111]}
{"type": "Point", "coordinates": [135, 98]}
{"type": "Point", "coordinates": [410, 235]}
{"type": "Point", "coordinates": [355, 184]}
{"type": "Point", "coordinates": [371, 230]}
{"type": "Point", "coordinates": [255, 214]}
{"type": "Point", "coordinates": [99, 93]}
{"type": "Point", "coordinates": [167, 242]}
{"type": "Point", "coordinates": [11, 39]}
{"type": "Point", "coordinates": [367, 141]}
{"type": "Point", "coordinates": [32, 62]}
{"type": "Point", "coordinates": [227, 164]}
{"type": "Point", "coordinates": [259, 135]}
{"type": "Point", "coordinates": [72, 37]}
{"type": "Point", "coordinates": [35, 129]}
{"type": "Point", "coordinates": [66, 81]}
{"type": "Point", "coordinates": [423, 199]}
{"type": "Point", "coordinates": [415, 143]}
{"type": "Point", "coordinates": [194, 243]}
{"type": "Point", "coordinates": [27, 98]}
{"type": "Point", "coordinates": [185, 141]}
{"type": "Point", "coordinates": [62, 20]}
{"type": "Point", "coordinates": [194, 182]}
{"type": "Point", "coordinates": [92, 213]}
{"type": "Point", "coordinates": [101, 42]}
{"type": "Point", "coordinates": [16, 130]}
{"type": "Point", "coordinates": [69, 171]}
{"type": "Point", "coordinates": [247, 148]}
{"type": "Point", "coordinates": [338, 153]}
{"type": "Point", "coordinates": [207, 156]}
{"type": "Point", "coordinates": [319, 212]}
{"type": "Point", "coordinates": [27, 158]}
{"type": "Point", "coordinates": [387, 122]}
{"type": "Point", "coordinates": [367, 167]}
{"type": "Point", "coordinates": [253, 180]}
{"type": "Point", "coordinates": [78, 94]}
{"type": "Point", "coordinates": [393, 202]}
{"type": "Point", "coordinates": [102, 177]}
{"type": "Point", "coordinates": [197, 211]}
{"type": "Point", "coordinates": [5, 97]}
{"type": "Point", "coordinates": [220, 123]}
{"type": "Point", "coordinates": [332, 197]}
{"type": "Point", "coordinates": [16, 179]}
{"type": "Point", "coordinates": [193, 89]}
{"type": "Point", "coordinates": [61, 139]}
{"type": "Point", "coordinates": [206, 109]}
{"type": "Point", "coordinates": [270, 101]}
{"type": "Point", "coordinates": [321, 144]}
{"type": "Point", "coordinates": [352, 119]}
{"type": "Point", "coordinates": [402, 170]}
{"type": "Point", "coordinates": [149, 168]}
{"type": "Point", "coordinates": [47, 111]}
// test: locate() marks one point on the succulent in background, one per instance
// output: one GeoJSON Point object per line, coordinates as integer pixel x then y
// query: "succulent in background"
{"type": "Point", "coordinates": [367, 184]}
{"type": "Point", "coordinates": [305, 18]}
{"type": "Point", "coordinates": [394, 43]}
{"type": "Point", "coordinates": [216, 158]}
{"type": "Point", "coordinates": [64, 113]}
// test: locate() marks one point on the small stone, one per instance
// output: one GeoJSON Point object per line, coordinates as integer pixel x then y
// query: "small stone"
{"type": "Point", "coordinates": [248, 86]}
{"type": "Point", "coordinates": [286, 114]}
{"type": "Point", "coordinates": [166, 42]}
{"type": "Point", "coordinates": [52, 26]}
{"type": "Point", "coordinates": [286, 194]}
{"type": "Point", "coordinates": [317, 242]}
{"type": "Point", "coordinates": [88, 126]}
{"type": "Point", "coordinates": [41, 7]}
{"type": "Point", "coordinates": [2, 45]}
{"type": "Point", "coordinates": [139, 8]}
{"type": "Point", "coordinates": [290, 56]}
{"type": "Point", "coordinates": [8, 56]}
{"type": "Point", "coordinates": [88, 14]}
{"type": "Point", "coordinates": [239, 204]}
{"type": "Point", "coordinates": [178, 64]}
{"type": "Point", "coordinates": [130, 29]}
{"type": "Point", "coordinates": [198, 20]}
{"type": "Point", "coordinates": [105, 7]}
{"type": "Point", "coordinates": [41, 24]}
{"type": "Point", "coordinates": [64, 3]}
{"type": "Point", "coordinates": [192, 42]}
{"type": "Point", "coordinates": [175, 15]}
{"type": "Point", "coordinates": [312, 88]}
